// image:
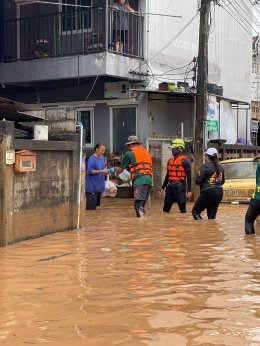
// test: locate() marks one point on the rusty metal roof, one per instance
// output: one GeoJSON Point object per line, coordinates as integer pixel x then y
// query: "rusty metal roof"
{"type": "Point", "coordinates": [16, 111]}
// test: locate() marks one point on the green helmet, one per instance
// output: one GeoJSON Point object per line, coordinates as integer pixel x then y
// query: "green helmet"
{"type": "Point", "coordinates": [178, 143]}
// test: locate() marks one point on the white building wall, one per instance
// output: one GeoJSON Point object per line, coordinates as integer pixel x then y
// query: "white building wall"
{"type": "Point", "coordinates": [230, 58]}
{"type": "Point", "coordinates": [230, 55]}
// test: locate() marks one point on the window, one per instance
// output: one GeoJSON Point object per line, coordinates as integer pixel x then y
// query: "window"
{"type": "Point", "coordinates": [240, 170]}
{"type": "Point", "coordinates": [86, 117]}
{"type": "Point", "coordinates": [76, 18]}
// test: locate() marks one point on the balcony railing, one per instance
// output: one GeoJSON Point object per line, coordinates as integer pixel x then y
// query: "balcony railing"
{"type": "Point", "coordinates": [87, 31]}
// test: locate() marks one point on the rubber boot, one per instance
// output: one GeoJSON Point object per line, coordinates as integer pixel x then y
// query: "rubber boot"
{"type": "Point", "coordinates": [142, 206]}
{"type": "Point", "coordinates": [139, 209]}
{"type": "Point", "coordinates": [140, 212]}
{"type": "Point", "coordinates": [197, 217]}
{"type": "Point", "coordinates": [249, 228]}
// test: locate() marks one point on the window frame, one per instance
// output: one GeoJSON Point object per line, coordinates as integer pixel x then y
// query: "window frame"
{"type": "Point", "coordinates": [76, 30]}
{"type": "Point", "coordinates": [92, 128]}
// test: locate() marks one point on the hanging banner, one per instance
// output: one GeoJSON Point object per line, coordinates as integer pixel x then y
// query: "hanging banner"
{"type": "Point", "coordinates": [212, 116]}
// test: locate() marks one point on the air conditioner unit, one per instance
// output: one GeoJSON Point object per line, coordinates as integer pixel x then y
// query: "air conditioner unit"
{"type": "Point", "coordinates": [117, 90]}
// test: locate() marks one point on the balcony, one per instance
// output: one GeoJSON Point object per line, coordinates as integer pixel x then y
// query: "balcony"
{"type": "Point", "coordinates": [82, 32]}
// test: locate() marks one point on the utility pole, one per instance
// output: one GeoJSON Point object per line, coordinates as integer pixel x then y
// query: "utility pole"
{"type": "Point", "coordinates": [2, 6]}
{"type": "Point", "coordinates": [202, 87]}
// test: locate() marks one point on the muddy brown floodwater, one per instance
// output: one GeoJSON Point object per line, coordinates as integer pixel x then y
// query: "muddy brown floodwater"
{"type": "Point", "coordinates": [164, 280]}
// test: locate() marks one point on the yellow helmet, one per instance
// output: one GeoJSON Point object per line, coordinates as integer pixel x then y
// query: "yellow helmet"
{"type": "Point", "coordinates": [178, 143]}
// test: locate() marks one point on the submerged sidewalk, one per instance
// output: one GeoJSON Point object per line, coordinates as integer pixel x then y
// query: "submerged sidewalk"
{"type": "Point", "coordinates": [162, 280]}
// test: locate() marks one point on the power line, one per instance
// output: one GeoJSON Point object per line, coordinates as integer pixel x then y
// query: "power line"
{"type": "Point", "coordinates": [241, 17]}
{"type": "Point", "coordinates": [238, 20]}
{"type": "Point", "coordinates": [95, 81]}
{"type": "Point", "coordinates": [169, 42]}
{"type": "Point", "coordinates": [245, 14]}
{"type": "Point", "coordinates": [155, 29]}
{"type": "Point", "coordinates": [175, 69]}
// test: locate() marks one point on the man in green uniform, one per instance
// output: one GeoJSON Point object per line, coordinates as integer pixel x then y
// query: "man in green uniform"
{"type": "Point", "coordinates": [253, 210]}
{"type": "Point", "coordinates": [138, 162]}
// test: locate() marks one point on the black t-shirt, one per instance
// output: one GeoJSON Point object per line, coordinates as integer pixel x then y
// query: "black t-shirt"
{"type": "Point", "coordinates": [208, 178]}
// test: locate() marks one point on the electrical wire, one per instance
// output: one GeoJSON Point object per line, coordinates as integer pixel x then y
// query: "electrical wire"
{"type": "Point", "coordinates": [244, 12]}
{"type": "Point", "coordinates": [95, 81]}
{"type": "Point", "coordinates": [169, 42]}
{"type": "Point", "coordinates": [173, 74]}
{"type": "Point", "coordinates": [245, 15]}
{"type": "Point", "coordinates": [157, 26]}
{"type": "Point", "coordinates": [237, 20]}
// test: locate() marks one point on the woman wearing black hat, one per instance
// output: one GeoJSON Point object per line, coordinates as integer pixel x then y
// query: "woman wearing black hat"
{"type": "Point", "coordinates": [210, 179]}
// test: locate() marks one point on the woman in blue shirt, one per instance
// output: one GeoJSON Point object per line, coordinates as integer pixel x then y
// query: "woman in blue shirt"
{"type": "Point", "coordinates": [95, 178]}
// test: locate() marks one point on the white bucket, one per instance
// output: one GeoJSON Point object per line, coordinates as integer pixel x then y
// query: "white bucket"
{"type": "Point", "coordinates": [40, 132]}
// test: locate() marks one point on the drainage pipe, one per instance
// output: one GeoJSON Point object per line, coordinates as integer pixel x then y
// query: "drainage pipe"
{"type": "Point", "coordinates": [80, 127]}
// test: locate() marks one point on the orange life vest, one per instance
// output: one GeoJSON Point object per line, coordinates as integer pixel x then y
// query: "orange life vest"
{"type": "Point", "coordinates": [175, 169]}
{"type": "Point", "coordinates": [143, 164]}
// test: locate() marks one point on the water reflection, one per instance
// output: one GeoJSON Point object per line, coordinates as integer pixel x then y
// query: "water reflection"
{"type": "Point", "coordinates": [165, 280]}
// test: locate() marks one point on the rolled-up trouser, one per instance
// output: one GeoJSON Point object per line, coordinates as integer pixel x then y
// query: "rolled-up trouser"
{"type": "Point", "coordinates": [209, 199]}
{"type": "Point", "coordinates": [175, 193]}
{"type": "Point", "coordinates": [92, 200]}
{"type": "Point", "coordinates": [141, 195]}
{"type": "Point", "coordinates": [252, 213]}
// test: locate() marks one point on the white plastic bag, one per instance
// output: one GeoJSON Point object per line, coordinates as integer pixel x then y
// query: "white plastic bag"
{"type": "Point", "coordinates": [110, 188]}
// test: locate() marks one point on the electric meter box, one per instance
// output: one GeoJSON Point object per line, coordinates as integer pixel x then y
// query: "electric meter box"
{"type": "Point", "coordinates": [25, 161]}
{"type": "Point", "coordinates": [120, 90]}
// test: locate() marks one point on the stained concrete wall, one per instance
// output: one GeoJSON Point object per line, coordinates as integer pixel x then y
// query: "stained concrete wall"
{"type": "Point", "coordinates": [42, 202]}
{"type": "Point", "coordinates": [165, 118]}
{"type": "Point", "coordinates": [61, 119]}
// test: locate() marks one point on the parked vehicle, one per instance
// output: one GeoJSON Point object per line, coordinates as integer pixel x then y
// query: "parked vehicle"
{"type": "Point", "coordinates": [240, 176]}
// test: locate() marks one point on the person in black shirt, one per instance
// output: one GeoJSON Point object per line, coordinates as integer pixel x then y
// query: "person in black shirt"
{"type": "Point", "coordinates": [178, 178]}
{"type": "Point", "coordinates": [210, 179]}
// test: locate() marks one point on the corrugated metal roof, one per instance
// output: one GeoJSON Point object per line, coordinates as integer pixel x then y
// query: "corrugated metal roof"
{"type": "Point", "coordinates": [16, 111]}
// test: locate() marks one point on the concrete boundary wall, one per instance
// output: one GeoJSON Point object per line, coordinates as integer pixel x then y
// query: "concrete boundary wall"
{"type": "Point", "coordinates": [37, 203]}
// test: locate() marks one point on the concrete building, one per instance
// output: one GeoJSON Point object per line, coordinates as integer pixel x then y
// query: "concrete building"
{"type": "Point", "coordinates": [64, 59]}
{"type": "Point", "coordinates": [40, 180]}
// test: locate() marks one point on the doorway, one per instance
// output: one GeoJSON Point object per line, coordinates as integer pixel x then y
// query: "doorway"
{"type": "Point", "coordinates": [123, 126]}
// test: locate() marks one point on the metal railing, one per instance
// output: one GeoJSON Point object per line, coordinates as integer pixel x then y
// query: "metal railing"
{"type": "Point", "coordinates": [72, 33]}
{"type": "Point", "coordinates": [126, 32]}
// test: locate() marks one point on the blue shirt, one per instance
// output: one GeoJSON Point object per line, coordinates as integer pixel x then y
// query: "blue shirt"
{"type": "Point", "coordinates": [95, 183]}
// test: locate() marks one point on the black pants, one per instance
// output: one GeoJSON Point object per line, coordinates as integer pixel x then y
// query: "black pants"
{"type": "Point", "coordinates": [252, 213]}
{"type": "Point", "coordinates": [141, 195]}
{"type": "Point", "coordinates": [175, 193]}
{"type": "Point", "coordinates": [92, 200]}
{"type": "Point", "coordinates": [208, 199]}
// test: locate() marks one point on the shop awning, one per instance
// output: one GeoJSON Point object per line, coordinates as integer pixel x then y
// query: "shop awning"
{"type": "Point", "coordinates": [16, 111]}
{"type": "Point", "coordinates": [169, 96]}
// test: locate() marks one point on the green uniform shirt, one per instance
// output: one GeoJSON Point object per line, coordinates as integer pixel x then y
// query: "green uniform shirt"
{"type": "Point", "coordinates": [140, 179]}
{"type": "Point", "coordinates": [256, 194]}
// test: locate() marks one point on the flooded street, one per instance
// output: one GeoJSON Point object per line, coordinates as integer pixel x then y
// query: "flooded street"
{"type": "Point", "coordinates": [163, 280]}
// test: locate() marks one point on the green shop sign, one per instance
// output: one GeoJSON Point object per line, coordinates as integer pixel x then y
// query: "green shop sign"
{"type": "Point", "coordinates": [212, 125]}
